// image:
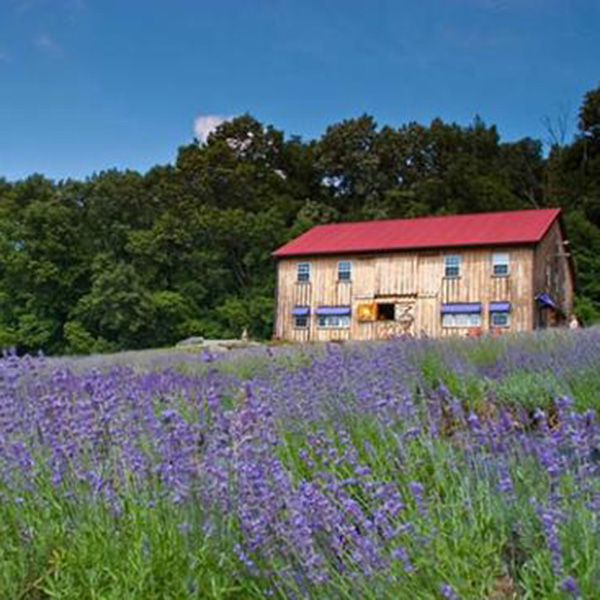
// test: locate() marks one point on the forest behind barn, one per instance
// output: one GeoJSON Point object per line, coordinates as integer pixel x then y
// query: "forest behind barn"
{"type": "Point", "coordinates": [128, 260]}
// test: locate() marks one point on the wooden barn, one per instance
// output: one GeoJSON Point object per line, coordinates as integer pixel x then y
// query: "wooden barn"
{"type": "Point", "coordinates": [435, 276]}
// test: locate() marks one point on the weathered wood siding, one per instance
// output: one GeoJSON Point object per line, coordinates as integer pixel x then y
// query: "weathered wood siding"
{"type": "Point", "coordinates": [414, 282]}
{"type": "Point", "coordinates": [396, 275]}
{"type": "Point", "coordinates": [552, 270]}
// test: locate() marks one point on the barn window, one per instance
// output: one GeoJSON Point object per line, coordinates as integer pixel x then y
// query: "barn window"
{"type": "Point", "coordinates": [303, 271]}
{"type": "Point", "coordinates": [452, 265]}
{"type": "Point", "coordinates": [344, 270]}
{"type": "Point", "coordinates": [462, 320]}
{"type": "Point", "coordinates": [500, 264]}
{"type": "Point", "coordinates": [500, 319]}
{"type": "Point", "coordinates": [465, 314]}
{"type": "Point", "coordinates": [386, 311]}
{"type": "Point", "coordinates": [333, 317]}
{"type": "Point", "coordinates": [300, 322]}
{"type": "Point", "coordinates": [333, 321]}
{"type": "Point", "coordinates": [300, 316]}
{"type": "Point", "coordinates": [500, 314]}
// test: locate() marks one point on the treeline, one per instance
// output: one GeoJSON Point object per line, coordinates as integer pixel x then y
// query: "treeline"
{"type": "Point", "coordinates": [125, 260]}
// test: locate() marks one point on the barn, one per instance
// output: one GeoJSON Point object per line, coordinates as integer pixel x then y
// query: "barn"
{"type": "Point", "coordinates": [436, 276]}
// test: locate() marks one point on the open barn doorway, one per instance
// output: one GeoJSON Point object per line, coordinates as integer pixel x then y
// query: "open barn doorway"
{"type": "Point", "coordinates": [386, 311]}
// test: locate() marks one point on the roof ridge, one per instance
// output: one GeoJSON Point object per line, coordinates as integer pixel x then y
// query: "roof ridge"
{"type": "Point", "coordinates": [557, 209]}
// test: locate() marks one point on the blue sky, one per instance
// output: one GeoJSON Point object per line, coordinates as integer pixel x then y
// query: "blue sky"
{"type": "Point", "coordinates": [87, 85]}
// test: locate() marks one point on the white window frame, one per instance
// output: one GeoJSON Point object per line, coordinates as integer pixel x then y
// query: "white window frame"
{"type": "Point", "coordinates": [304, 318]}
{"type": "Point", "coordinates": [452, 261]}
{"type": "Point", "coordinates": [303, 272]}
{"type": "Point", "coordinates": [500, 264]}
{"type": "Point", "coordinates": [333, 321]}
{"type": "Point", "coordinates": [464, 320]}
{"type": "Point", "coordinates": [347, 270]}
{"type": "Point", "coordinates": [500, 312]}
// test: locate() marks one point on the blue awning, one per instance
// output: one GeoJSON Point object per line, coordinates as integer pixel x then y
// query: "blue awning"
{"type": "Point", "coordinates": [301, 311]}
{"type": "Point", "coordinates": [545, 300]}
{"type": "Point", "coordinates": [461, 308]}
{"type": "Point", "coordinates": [499, 306]}
{"type": "Point", "coordinates": [338, 311]}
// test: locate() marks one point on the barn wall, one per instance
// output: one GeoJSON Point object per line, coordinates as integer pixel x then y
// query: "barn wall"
{"type": "Point", "coordinates": [414, 282]}
{"type": "Point", "coordinates": [552, 272]}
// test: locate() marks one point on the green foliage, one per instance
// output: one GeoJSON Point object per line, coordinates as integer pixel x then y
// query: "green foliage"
{"type": "Point", "coordinates": [587, 310]}
{"type": "Point", "coordinates": [8, 337]}
{"type": "Point", "coordinates": [117, 308]}
{"type": "Point", "coordinates": [254, 313]}
{"type": "Point", "coordinates": [589, 114]}
{"type": "Point", "coordinates": [80, 341]}
{"type": "Point", "coordinates": [142, 553]}
{"type": "Point", "coordinates": [530, 390]}
{"type": "Point", "coordinates": [124, 260]}
{"type": "Point", "coordinates": [171, 312]}
{"type": "Point", "coordinates": [35, 333]}
{"type": "Point", "coordinates": [585, 246]}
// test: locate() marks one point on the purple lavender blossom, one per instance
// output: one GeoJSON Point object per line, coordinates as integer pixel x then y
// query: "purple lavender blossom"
{"type": "Point", "coordinates": [570, 587]}
{"type": "Point", "coordinates": [312, 467]}
{"type": "Point", "coordinates": [417, 491]}
{"type": "Point", "coordinates": [449, 593]}
{"type": "Point", "coordinates": [400, 553]}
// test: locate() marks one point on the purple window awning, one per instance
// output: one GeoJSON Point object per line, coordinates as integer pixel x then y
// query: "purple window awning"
{"type": "Point", "coordinates": [499, 306]}
{"type": "Point", "coordinates": [461, 308]}
{"type": "Point", "coordinates": [337, 311]}
{"type": "Point", "coordinates": [545, 300]}
{"type": "Point", "coordinates": [301, 311]}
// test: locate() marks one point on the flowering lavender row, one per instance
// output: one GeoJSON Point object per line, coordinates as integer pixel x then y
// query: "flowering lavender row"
{"type": "Point", "coordinates": [357, 473]}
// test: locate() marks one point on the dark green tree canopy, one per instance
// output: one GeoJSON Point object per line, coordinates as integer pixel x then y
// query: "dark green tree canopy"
{"type": "Point", "coordinates": [130, 260]}
{"type": "Point", "coordinates": [589, 115]}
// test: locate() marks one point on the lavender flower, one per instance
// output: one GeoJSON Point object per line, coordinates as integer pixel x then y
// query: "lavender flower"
{"type": "Point", "coordinates": [570, 587]}
{"type": "Point", "coordinates": [449, 593]}
{"type": "Point", "coordinates": [310, 464]}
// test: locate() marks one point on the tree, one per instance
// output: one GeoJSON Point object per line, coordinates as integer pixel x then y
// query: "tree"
{"type": "Point", "coordinates": [118, 309]}
{"type": "Point", "coordinates": [589, 116]}
{"type": "Point", "coordinates": [349, 165]}
{"type": "Point", "coordinates": [125, 260]}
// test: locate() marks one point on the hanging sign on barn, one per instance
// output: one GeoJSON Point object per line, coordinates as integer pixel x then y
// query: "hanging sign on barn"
{"type": "Point", "coordinates": [367, 311]}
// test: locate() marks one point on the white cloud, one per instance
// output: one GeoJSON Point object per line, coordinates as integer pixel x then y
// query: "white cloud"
{"type": "Point", "coordinates": [204, 125]}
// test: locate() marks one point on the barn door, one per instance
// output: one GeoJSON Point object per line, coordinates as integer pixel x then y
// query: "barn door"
{"type": "Point", "coordinates": [403, 322]}
{"type": "Point", "coordinates": [405, 317]}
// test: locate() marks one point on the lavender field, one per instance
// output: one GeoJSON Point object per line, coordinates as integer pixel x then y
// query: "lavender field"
{"type": "Point", "coordinates": [406, 469]}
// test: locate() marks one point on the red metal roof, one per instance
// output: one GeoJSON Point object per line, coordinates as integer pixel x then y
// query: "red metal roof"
{"type": "Point", "coordinates": [480, 229]}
